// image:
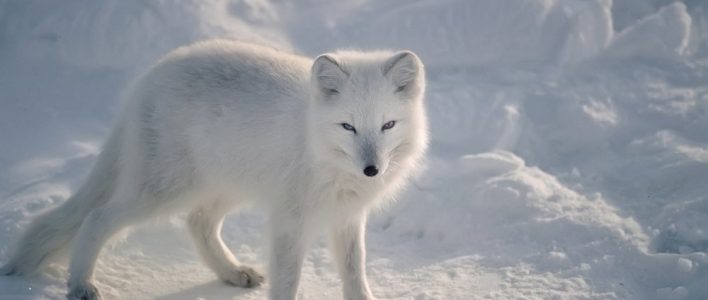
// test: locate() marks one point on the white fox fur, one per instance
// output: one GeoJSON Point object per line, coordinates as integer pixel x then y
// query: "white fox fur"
{"type": "Point", "coordinates": [218, 124]}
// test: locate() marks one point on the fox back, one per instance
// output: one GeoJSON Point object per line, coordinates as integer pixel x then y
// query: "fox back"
{"type": "Point", "coordinates": [249, 119]}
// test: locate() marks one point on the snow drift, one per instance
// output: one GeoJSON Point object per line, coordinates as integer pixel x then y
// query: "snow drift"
{"type": "Point", "coordinates": [568, 157]}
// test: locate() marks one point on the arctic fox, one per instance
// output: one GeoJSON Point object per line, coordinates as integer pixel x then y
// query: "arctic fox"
{"type": "Point", "coordinates": [218, 124]}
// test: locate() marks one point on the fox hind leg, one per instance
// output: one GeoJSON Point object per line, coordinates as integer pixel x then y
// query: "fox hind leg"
{"type": "Point", "coordinates": [97, 228]}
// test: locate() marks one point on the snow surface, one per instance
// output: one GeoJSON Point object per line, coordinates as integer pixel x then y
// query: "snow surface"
{"type": "Point", "coordinates": [569, 155]}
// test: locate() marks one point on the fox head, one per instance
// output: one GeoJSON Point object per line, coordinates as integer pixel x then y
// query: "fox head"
{"type": "Point", "coordinates": [368, 116]}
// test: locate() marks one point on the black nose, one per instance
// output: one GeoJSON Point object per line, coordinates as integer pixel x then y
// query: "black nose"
{"type": "Point", "coordinates": [371, 171]}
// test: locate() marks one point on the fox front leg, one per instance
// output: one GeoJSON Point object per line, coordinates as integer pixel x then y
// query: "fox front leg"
{"type": "Point", "coordinates": [350, 254]}
{"type": "Point", "coordinates": [288, 245]}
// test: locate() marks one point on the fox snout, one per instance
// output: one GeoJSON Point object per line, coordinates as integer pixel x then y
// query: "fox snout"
{"type": "Point", "coordinates": [371, 171]}
{"type": "Point", "coordinates": [373, 162]}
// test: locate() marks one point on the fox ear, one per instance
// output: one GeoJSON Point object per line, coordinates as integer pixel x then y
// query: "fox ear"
{"type": "Point", "coordinates": [403, 68]}
{"type": "Point", "coordinates": [327, 75]}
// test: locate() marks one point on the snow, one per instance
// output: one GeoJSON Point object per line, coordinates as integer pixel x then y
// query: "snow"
{"type": "Point", "coordinates": [663, 34]}
{"type": "Point", "coordinates": [569, 155]}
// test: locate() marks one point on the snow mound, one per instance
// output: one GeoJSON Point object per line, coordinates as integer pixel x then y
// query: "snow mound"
{"type": "Point", "coordinates": [519, 220]}
{"type": "Point", "coordinates": [661, 35]}
{"type": "Point", "coordinates": [495, 32]}
{"type": "Point", "coordinates": [475, 33]}
{"type": "Point", "coordinates": [129, 33]}
{"type": "Point", "coordinates": [497, 190]}
{"type": "Point", "coordinates": [492, 163]}
{"type": "Point", "coordinates": [589, 33]}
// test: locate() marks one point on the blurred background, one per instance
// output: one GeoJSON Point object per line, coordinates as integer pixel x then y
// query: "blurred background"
{"type": "Point", "coordinates": [569, 155]}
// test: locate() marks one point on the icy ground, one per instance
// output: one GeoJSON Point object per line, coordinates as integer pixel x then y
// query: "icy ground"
{"type": "Point", "coordinates": [569, 151]}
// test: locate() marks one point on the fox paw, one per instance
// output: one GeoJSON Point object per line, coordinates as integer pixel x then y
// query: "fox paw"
{"type": "Point", "coordinates": [85, 291]}
{"type": "Point", "coordinates": [244, 277]}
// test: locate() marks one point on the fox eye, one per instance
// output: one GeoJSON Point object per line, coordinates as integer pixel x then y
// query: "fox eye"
{"type": "Point", "coordinates": [349, 127]}
{"type": "Point", "coordinates": [331, 92]}
{"type": "Point", "coordinates": [401, 88]}
{"type": "Point", "coordinates": [388, 125]}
